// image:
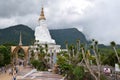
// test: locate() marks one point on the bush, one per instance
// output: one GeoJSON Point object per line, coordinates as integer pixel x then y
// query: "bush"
{"type": "Point", "coordinates": [4, 56]}
{"type": "Point", "coordinates": [39, 65]}
{"type": "Point", "coordinates": [42, 66]}
{"type": "Point", "coordinates": [103, 77]}
{"type": "Point", "coordinates": [78, 72]}
{"type": "Point", "coordinates": [35, 63]}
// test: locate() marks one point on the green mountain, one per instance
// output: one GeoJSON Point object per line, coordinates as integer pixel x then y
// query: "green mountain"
{"type": "Point", "coordinates": [70, 35]}
{"type": "Point", "coordinates": [11, 35]}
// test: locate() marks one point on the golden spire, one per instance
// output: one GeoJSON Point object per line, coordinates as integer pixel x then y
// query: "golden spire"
{"type": "Point", "coordinates": [42, 17]}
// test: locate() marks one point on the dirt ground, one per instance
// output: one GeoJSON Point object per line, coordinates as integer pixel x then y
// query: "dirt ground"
{"type": "Point", "coordinates": [5, 76]}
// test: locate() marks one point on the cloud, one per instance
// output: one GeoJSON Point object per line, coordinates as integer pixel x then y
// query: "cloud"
{"type": "Point", "coordinates": [62, 14]}
{"type": "Point", "coordinates": [66, 13]}
{"type": "Point", "coordinates": [11, 8]}
{"type": "Point", "coordinates": [98, 19]}
{"type": "Point", "coordinates": [3, 21]}
{"type": "Point", "coordinates": [102, 21]}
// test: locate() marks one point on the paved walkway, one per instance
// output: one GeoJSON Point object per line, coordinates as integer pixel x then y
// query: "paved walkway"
{"type": "Point", "coordinates": [22, 71]}
{"type": "Point", "coordinates": [42, 75]}
{"type": "Point", "coordinates": [38, 75]}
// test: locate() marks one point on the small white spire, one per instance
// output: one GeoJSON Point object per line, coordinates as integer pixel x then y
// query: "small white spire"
{"type": "Point", "coordinates": [20, 41]}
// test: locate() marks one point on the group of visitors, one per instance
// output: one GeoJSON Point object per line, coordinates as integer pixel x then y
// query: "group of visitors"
{"type": "Point", "coordinates": [13, 71]}
{"type": "Point", "coordinates": [3, 69]}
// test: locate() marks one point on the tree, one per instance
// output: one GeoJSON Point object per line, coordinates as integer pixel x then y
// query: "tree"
{"type": "Point", "coordinates": [4, 55]}
{"type": "Point", "coordinates": [87, 63]}
{"type": "Point", "coordinates": [97, 56]}
{"type": "Point", "coordinates": [32, 55]}
{"type": "Point", "coordinates": [76, 61]}
{"type": "Point", "coordinates": [69, 62]}
{"type": "Point", "coordinates": [43, 57]}
{"type": "Point", "coordinates": [35, 63]}
{"type": "Point", "coordinates": [113, 44]}
{"type": "Point", "coordinates": [109, 59]}
{"type": "Point", "coordinates": [94, 48]}
{"type": "Point", "coordinates": [78, 72]}
{"type": "Point", "coordinates": [1, 60]}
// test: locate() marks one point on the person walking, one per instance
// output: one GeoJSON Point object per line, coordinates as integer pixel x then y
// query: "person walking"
{"type": "Point", "coordinates": [14, 76]}
{"type": "Point", "coordinates": [10, 71]}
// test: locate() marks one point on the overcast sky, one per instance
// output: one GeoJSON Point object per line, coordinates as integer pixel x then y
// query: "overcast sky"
{"type": "Point", "coordinates": [98, 19]}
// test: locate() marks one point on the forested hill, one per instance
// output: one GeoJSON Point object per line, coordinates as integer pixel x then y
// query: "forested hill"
{"type": "Point", "coordinates": [70, 35]}
{"type": "Point", "coordinates": [11, 35]}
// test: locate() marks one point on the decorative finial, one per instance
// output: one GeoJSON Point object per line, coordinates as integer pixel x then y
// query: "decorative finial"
{"type": "Point", "coordinates": [42, 17]}
{"type": "Point", "coordinates": [20, 41]}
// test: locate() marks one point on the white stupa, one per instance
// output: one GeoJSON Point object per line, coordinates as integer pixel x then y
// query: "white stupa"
{"type": "Point", "coordinates": [42, 33]}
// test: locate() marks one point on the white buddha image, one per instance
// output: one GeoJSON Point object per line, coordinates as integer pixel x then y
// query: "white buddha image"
{"type": "Point", "coordinates": [42, 33]}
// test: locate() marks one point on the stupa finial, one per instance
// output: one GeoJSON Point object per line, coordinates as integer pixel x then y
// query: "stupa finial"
{"type": "Point", "coordinates": [42, 17]}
